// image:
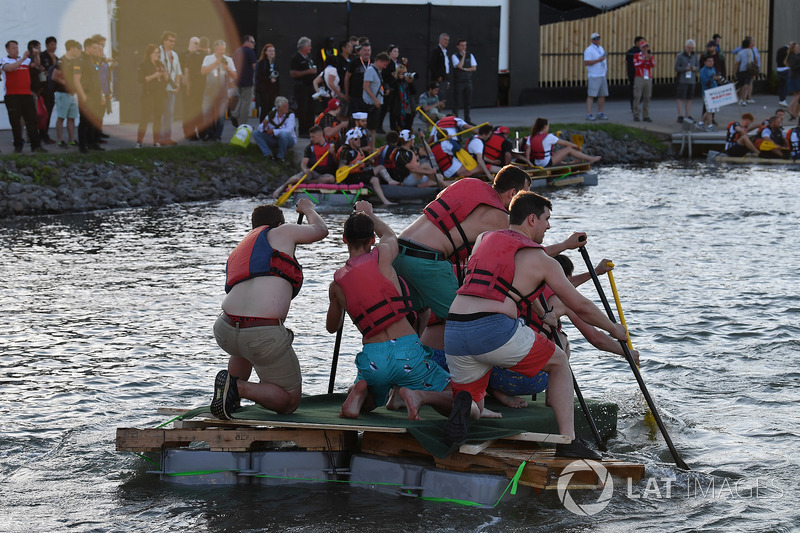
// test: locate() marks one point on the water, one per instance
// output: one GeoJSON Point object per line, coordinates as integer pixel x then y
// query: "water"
{"type": "Point", "coordinates": [108, 316]}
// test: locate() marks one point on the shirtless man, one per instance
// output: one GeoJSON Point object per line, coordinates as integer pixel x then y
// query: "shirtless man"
{"type": "Point", "coordinates": [392, 355]}
{"type": "Point", "coordinates": [444, 234]}
{"type": "Point", "coordinates": [483, 330]}
{"type": "Point", "coordinates": [260, 285]}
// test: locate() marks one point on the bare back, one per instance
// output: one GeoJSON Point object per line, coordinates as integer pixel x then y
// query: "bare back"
{"type": "Point", "coordinates": [482, 218]}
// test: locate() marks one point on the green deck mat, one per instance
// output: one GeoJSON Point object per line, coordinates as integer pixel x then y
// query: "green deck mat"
{"type": "Point", "coordinates": [429, 432]}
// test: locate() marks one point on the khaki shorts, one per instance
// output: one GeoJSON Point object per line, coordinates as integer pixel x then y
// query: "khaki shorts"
{"type": "Point", "coordinates": [268, 348]}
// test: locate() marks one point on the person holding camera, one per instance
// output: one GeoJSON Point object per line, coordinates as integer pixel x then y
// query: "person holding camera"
{"type": "Point", "coordinates": [19, 103]}
{"type": "Point", "coordinates": [643, 62]}
{"type": "Point", "coordinates": [153, 77]}
{"type": "Point", "coordinates": [267, 85]}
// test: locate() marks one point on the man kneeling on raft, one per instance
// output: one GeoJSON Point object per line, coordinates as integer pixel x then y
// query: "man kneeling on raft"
{"type": "Point", "coordinates": [483, 329]}
{"type": "Point", "coordinates": [378, 303]}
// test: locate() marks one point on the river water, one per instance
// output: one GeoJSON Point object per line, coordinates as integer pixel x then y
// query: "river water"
{"type": "Point", "coordinates": [107, 316]}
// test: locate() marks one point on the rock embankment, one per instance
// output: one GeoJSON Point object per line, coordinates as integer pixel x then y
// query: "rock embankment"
{"type": "Point", "coordinates": [50, 186]}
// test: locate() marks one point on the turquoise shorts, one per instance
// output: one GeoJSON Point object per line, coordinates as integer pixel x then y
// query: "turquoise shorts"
{"type": "Point", "coordinates": [403, 362]}
{"type": "Point", "coordinates": [431, 283]}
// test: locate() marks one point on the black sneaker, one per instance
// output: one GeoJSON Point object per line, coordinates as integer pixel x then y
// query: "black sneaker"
{"type": "Point", "coordinates": [62, 144]}
{"type": "Point", "coordinates": [226, 395]}
{"type": "Point", "coordinates": [235, 122]}
{"type": "Point", "coordinates": [577, 449]}
{"type": "Point", "coordinates": [647, 119]}
{"type": "Point", "coordinates": [457, 427]}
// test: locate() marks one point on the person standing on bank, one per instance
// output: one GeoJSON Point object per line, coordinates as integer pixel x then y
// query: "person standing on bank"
{"type": "Point", "coordinates": [596, 61]}
{"type": "Point", "coordinates": [687, 66]}
{"type": "Point", "coordinates": [303, 71]}
{"type": "Point", "coordinates": [439, 67]}
{"type": "Point", "coordinates": [19, 103]}
{"type": "Point", "coordinates": [629, 68]}
{"type": "Point", "coordinates": [262, 276]}
{"type": "Point", "coordinates": [464, 65]}
{"type": "Point", "coordinates": [244, 59]}
{"type": "Point", "coordinates": [267, 86]}
{"type": "Point", "coordinates": [643, 82]}
{"type": "Point", "coordinates": [169, 57]}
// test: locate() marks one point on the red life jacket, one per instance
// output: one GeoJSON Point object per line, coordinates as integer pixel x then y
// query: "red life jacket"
{"type": "Point", "coordinates": [373, 301]}
{"type": "Point", "coordinates": [490, 271]}
{"type": "Point", "coordinates": [493, 148]}
{"type": "Point", "coordinates": [386, 156]}
{"type": "Point", "coordinates": [537, 146]}
{"type": "Point", "coordinates": [317, 152]}
{"type": "Point", "coordinates": [447, 122]}
{"type": "Point", "coordinates": [454, 204]}
{"type": "Point", "coordinates": [731, 135]}
{"type": "Point", "coordinates": [525, 311]}
{"type": "Point", "coordinates": [443, 159]}
{"type": "Point", "coordinates": [343, 151]}
{"type": "Point", "coordinates": [255, 257]}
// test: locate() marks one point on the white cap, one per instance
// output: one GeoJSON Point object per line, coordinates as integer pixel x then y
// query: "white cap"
{"type": "Point", "coordinates": [406, 135]}
{"type": "Point", "coordinates": [355, 133]}
{"type": "Point", "coordinates": [595, 35]}
{"type": "Point", "coordinates": [360, 116]}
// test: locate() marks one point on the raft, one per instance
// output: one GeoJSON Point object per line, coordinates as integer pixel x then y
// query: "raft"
{"type": "Point", "coordinates": [344, 194]}
{"type": "Point", "coordinates": [559, 176]}
{"type": "Point", "coordinates": [721, 157]}
{"type": "Point", "coordinates": [381, 451]}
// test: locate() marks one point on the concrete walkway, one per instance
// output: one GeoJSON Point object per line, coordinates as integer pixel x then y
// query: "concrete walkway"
{"type": "Point", "coordinates": [663, 112]}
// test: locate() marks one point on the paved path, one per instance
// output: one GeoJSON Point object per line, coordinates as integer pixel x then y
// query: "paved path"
{"type": "Point", "coordinates": [662, 111]}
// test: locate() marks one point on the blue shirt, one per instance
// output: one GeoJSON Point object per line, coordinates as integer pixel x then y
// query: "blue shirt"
{"type": "Point", "coordinates": [707, 80]}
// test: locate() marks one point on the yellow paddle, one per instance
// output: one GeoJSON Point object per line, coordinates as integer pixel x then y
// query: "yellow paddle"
{"type": "Point", "coordinates": [343, 172]}
{"type": "Point", "coordinates": [285, 196]}
{"type": "Point", "coordinates": [466, 159]}
{"type": "Point", "coordinates": [461, 133]}
{"type": "Point", "coordinates": [578, 139]}
{"type": "Point", "coordinates": [649, 419]}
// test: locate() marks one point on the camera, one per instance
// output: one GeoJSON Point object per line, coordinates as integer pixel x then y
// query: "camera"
{"type": "Point", "coordinates": [412, 75]}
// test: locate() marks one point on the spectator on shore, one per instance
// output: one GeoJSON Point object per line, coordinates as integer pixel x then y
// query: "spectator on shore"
{"type": "Point", "coordinates": [430, 104]}
{"type": "Point", "coordinates": [220, 76]}
{"type": "Point", "coordinates": [629, 68]}
{"type": "Point", "coordinates": [48, 61]}
{"type": "Point", "coordinates": [373, 91]}
{"type": "Point", "coordinates": [708, 80]}
{"type": "Point", "coordinates": [439, 66]}
{"type": "Point", "coordinates": [748, 66]}
{"type": "Point", "coordinates": [19, 103]}
{"type": "Point", "coordinates": [276, 133]}
{"type": "Point", "coordinates": [267, 81]}
{"type": "Point", "coordinates": [244, 59]}
{"type": "Point", "coordinates": [782, 73]}
{"type": "Point", "coordinates": [354, 79]}
{"type": "Point", "coordinates": [596, 61]}
{"type": "Point", "coordinates": [169, 57]}
{"type": "Point", "coordinates": [303, 71]}
{"type": "Point", "coordinates": [66, 99]}
{"type": "Point", "coordinates": [193, 85]}
{"type": "Point", "coordinates": [643, 82]}
{"type": "Point", "coordinates": [152, 75]}
{"type": "Point", "coordinates": [105, 67]}
{"type": "Point", "coordinates": [463, 68]}
{"type": "Point", "coordinates": [91, 100]}
{"type": "Point", "coordinates": [687, 66]}
{"type": "Point", "coordinates": [793, 85]}
{"type": "Point", "coordinates": [389, 89]}
{"type": "Point", "coordinates": [403, 112]}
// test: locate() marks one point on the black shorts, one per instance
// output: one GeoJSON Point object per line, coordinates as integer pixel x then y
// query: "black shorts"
{"type": "Point", "coordinates": [373, 115]}
{"type": "Point", "coordinates": [737, 150]}
{"type": "Point", "coordinates": [743, 78]}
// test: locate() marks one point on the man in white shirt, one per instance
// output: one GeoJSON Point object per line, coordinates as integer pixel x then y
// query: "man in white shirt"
{"type": "Point", "coordinates": [463, 66]}
{"type": "Point", "coordinates": [276, 132]}
{"type": "Point", "coordinates": [596, 61]}
{"type": "Point", "coordinates": [220, 76]}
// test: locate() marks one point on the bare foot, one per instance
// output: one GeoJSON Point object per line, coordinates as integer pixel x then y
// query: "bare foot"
{"type": "Point", "coordinates": [387, 202]}
{"type": "Point", "coordinates": [352, 405]}
{"type": "Point", "coordinates": [395, 401]}
{"type": "Point", "coordinates": [488, 413]}
{"type": "Point", "coordinates": [510, 401]}
{"type": "Point", "coordinates": [393, 182]}
{"type": "Point", "coordinates": [595, 159]}
{"type": "Point", "coordinates": [276, 192]}
{"type": "Point", "coordinates": [413, 402]}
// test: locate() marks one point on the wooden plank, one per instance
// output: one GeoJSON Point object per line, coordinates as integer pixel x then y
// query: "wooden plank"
{"type": "Point", "coordinates": [153, 440]}
{"type": "Point", "coordinates": [211, 420]}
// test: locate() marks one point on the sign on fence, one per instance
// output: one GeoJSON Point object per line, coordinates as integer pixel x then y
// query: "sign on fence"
{"type": "Point", "coordinates": [720, 96]}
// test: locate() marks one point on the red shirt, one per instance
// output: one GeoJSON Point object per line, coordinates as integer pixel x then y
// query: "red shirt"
{"type": "Point", "coordinates": [18, 81]}
{"type": "Point", "coordinates": [644, 67]}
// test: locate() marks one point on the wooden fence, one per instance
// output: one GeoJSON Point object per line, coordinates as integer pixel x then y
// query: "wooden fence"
{"type": "Point", "coordinates": [666, 24]}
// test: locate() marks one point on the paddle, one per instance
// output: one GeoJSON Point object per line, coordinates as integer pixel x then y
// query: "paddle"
{"type": "Point", "coordinates": [430, 156]}
{"type": "Point", "coordinates": [619, 304]}
{"type": "Point", "coordinates": [597, 438]}
{"type": "Point", "coordinates": [462, 155]}
{"type": "Point", "coordinates": [343, 172]}
{"type": "Point", "coordinates": [335, 360]}
{"type": "Point", "coordinates": [285, 196]}
{"type": "Point", "coordinates": [675, 456]}
{"type": "Point", "coordinates": [578, 139]}
{"type": "Point", "coordinates": [473, 128]}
